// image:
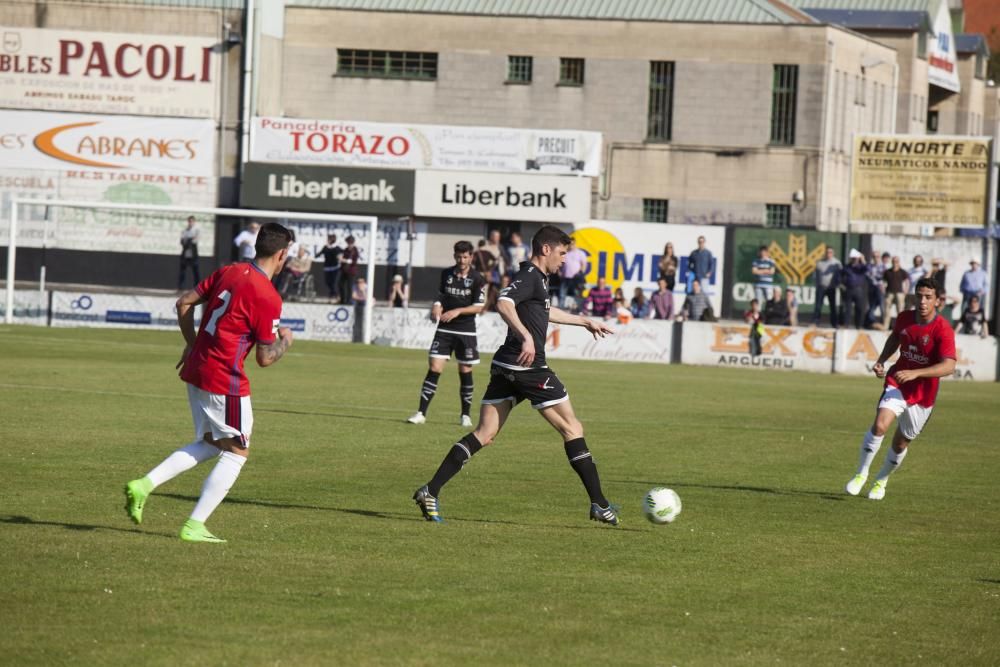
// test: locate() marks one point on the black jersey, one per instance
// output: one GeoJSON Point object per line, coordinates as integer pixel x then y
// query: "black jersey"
{"type": "Point", "coordinates": [331, 257]}
{"type": "Point", "coordinates": [530, 293]}
{"type": "Point", "coordinates": [458, 292]}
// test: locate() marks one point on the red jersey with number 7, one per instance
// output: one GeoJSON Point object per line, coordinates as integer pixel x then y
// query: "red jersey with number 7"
{"type": "Point", "coordinates": [920, 345]}
{"type": "Point", "coordinates": [241, 308]}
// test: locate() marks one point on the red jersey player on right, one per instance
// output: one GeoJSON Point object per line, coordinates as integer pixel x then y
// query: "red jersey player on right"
{"type": "Point", "coordinates": [926, 347]}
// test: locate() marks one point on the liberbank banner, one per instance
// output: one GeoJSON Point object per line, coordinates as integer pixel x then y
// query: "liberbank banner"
{"type": "Point", "coordinates": [63, 141]}
{"type": "Point", "coordinates": [327, 189]}
{"type": "Point", "coordinates": [397, 146]}
{"type": "Point", "coordinates": [103, 72]}
{"type": "Point", "coordinates": [920, 180]}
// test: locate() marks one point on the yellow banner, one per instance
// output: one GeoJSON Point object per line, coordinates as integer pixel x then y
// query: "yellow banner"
{"type": "Point", "coordinates": [920, 180]}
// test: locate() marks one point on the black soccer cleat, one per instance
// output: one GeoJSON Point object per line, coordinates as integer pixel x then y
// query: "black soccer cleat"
{"type": "Point", "coordinates": [608, 515]}
{"type": "Point", "coordinates": [428, 504]}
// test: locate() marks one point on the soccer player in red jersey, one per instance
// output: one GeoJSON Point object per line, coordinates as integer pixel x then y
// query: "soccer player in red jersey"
{"type": "Point", "coordinates": [926, 347]}
{"type": "Point", "coordinates": [241, 309]}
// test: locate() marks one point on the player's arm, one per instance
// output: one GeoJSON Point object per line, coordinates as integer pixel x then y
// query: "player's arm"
{"type": "Point", "coordinates": [272, 352]}
{"type": "Point", "coordinates": [598, 329]}
{"type": "Point", "coordinates": [941, 369]}
{"type": "Point", "coordinates": [185, 320]}
{"type": "Point", "coordinates": [889, 349]}
{"type": "Point", "coordinates": [508, 312]}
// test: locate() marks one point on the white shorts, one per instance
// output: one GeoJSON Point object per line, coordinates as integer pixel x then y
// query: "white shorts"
{"type": "Point", "coordinates": [222, 416]}
{"type": "Point", "coordinates": [912, 418]}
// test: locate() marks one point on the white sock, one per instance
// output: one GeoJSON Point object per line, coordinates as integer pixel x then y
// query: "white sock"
{"type": "Point", "coordinates": [182, 460]}
{"type": "Point", "coordinates": [892, 461]}
{"type": "Point", "coordinates": [217, 485]}
{"type": "Point", "coordinates": [869, 448]}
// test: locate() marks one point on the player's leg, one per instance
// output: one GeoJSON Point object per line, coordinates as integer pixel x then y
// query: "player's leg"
{"type": "Point", "coordinates": [562, 418]}
{"type": "Point", "coordinates": [180, 461]}
{"type": "Point", "coordinates": [435, 364]}
{"type": "Point", "coordinates": [465, 391]}
{"type": "Point", "coordinates": [890, 406]}
{"type": "Point", "coordinates": [911, 423]}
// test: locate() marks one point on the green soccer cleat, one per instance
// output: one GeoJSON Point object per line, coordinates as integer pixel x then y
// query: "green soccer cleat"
{"type": "Point", "coordinates": [877, 491]}
{"type": "Point", "coordinates": [195, 531]}
{"type": "Point", "coordinates": [854, 486]}
{"type": "Point", "coordinates": [136, 493]}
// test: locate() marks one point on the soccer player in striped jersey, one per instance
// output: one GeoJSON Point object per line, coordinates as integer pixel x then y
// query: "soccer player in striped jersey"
{"type": "Point", "coordinates": [241, 309]}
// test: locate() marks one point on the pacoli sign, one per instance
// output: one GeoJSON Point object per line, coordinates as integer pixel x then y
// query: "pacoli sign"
{"type": "Point", "coordinates": [108, 72]}
{"type": "Point", "coordinates": [38, 140]}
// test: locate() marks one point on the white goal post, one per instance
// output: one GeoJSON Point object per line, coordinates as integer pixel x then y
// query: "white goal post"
{"type": "Point", "coordinates": [17, 202]}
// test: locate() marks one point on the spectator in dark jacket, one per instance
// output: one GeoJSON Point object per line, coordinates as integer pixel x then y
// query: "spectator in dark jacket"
{"type": "Point", "coordinates": [855, 281]}
{"type": "Point", "coordinates": [776, 310]}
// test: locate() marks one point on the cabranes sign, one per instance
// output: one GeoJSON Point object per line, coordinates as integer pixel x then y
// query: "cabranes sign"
{"type": "Point", "coordinates": [442, 147]}
{"type": "Point", "coordinates": [100, 72]}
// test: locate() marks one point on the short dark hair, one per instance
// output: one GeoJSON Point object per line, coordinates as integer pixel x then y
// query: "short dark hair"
{"type": "Point", "coordinates": [549, 235]}
{"type": "Point", "coordinates": [928, 283]}
{"type": "Point", "coordinates": [463, 247]}
{"type": "Point", "coordinates": [763, 247]}
{"type": "Point", "coordinates": [272, 238]}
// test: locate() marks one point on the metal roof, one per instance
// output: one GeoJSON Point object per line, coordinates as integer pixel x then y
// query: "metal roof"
{"type": "Point", "coordinates": [713, 11]}
{"type": "Point", "coordinates": [969, 43]}
{"type": "Point", "coordinates": [870, 5]}
{"type": "Point", "coordinates": [871, 19]}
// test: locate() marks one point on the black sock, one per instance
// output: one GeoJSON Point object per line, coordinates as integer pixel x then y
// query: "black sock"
{"type": "Point", "coordinates": [581, 461]}
{"type": "Point", "coordinates": [465, 390]}
{"type": "Point", "coordinates": [457, 456]}
{"type": "Point", "coordinates": [428, 390]}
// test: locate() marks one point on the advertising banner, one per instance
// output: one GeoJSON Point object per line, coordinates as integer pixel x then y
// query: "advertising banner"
{"type": "Point", "coordinates": [795, 254]}
{"type": "Point", "coordinates": [920, 180]}
{"type": "Point", "coordinates": [942, 60]}
{"type": "Point", "coordinates": [627, 254]}
{"type": "Point", "coordinates": [125, 144]}
{"type": "Point", "coordinates": [392, 243]}
{"type": "Point", "coordinates": [398, 146]}
{"type": "Point", "coordinates": [327, 189]}
{"type": "Point", "coordinates": [103, 229]}
{"type": "Point", "coordinates": [413, 328]}
{"type": "Point", "coordinates": [98, 309]}
{"type": "Point", "coordinates": [103, 72]}
{"type": "Point", "coordinates": [319, 322]}
{"type": "Point", "coordinates": [783, 348]}
{"type": "Point", "coordinates": [639, 340]}
{"type": "Point", "coordinates": [857, 352]}
{"type": "Point", "coordinates": [453, 194]}
{"type": "Point", "coordinates": [30, 307]}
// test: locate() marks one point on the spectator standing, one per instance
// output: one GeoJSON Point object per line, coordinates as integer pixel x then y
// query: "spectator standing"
{"type": "Point", "coordinates": [640, 306]}
{"type": "Point", "coordinates": [938, 273]}
{"type": "Point", "coordinates": [483, 260]}
{"type": "Point", "coordinates": [599, 300]}
{"type": "Point", "coordinates": [897, 284]}
{"type": "Point", "coordinates": [876, 287]}
{"type": "Point", "coordinates": [668, 266]}
{"type": "Point", "coordinates": [399, 293]}
{"type": "Point", "coordinates": [776, 310]}
{"type": "Point", "coordinates": [663, 300]}
{"type": "Point", "coordinates": [245, 241]}
{"type": "Point", "coordinates": [974, 284]}
{"type": "Point", "coordinates": [855, 279]}
{"type": "Point", "coordinates": [827, 274]}
{"type": "Point", "coordinates": [763, 270]}
{"type": "Point", "coordinates": [189, 252]}
{"type": "Point", "coordinates": [348, 270]}
{"type": "Point", "coordinates": [572, 273]}
{"type": "Point", "coordinates": [697, 307]}
{"type": "Point", "coordinates": [331, 253]}
{"type": "Point", "coordinates": [500, 264]}
{"type": "Point", "coordinates": [755, 319]}
{"type": "Point", "coordinates": [516, 251]}
{"type": "Point", "coordinates": [792, 302]}
{"type": "Point", "coordinates": [700, 263]}
{"type": "Point", "coordinates": [915, 273]}
{"type": "Point", "coordinates": [973, 319]}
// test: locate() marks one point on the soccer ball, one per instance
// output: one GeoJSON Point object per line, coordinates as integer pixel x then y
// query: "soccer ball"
{"type": "Point", "coordinates": [661, 505]}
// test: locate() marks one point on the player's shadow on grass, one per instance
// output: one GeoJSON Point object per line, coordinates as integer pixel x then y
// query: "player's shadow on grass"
{"type": "Point", "coordinates": [329, 414]}
{"type": "Point", "coordinates": [825, 495]}
{"type": "Point", "coordinates": [21, 520]}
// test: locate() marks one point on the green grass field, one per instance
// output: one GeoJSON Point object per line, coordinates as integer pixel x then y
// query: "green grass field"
{"type": "Point", "coordinates": [329, 562]}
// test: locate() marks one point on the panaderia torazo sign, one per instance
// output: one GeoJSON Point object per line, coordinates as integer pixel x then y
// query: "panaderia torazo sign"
{"type": "Point", "coordinates": [98, 72]}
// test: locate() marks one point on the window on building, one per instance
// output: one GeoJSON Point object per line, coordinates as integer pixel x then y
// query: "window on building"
{"type": "Point", "coordinates": [835, 135]}
{"type": "Point", "coordinates": [654, 210]}
{"type": "Point", "coordinates": [778, 215]}
{"type": "Point", "coordinates": [922, 44]}
{"type": "Point", "coordinates": [932, 121]}
{"type": "Point", "coordinates": [571, 71]}
{"type": "Point", "coordinates": [519, 69]}
{"type": "Point", "coordinates": [980, 72]}
{"type": "Point", "coordinates": [783, 94]}
{"type": "Point", "coordinates": [860, 84]}
{"type": "Point", "coordinates": [661, 101]}
{"type": "Point", "coordinates": [387, 64]}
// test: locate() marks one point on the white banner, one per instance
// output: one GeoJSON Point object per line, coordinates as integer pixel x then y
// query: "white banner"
{"type": "Point", "coordinates": [464, 148]}
{"type": "Point", "coordinates": [99, 309]}
{"type": "Point", "coordinates": [412, 328]}
{"type": "Point", "coordinates": [392, 244]}
{"type": "Point", "coordinates": [627, 255]}
{"type": "Point", "coordinates": [942, 61]}
{"type": "Point", "coordinates": [782, 348]}
{"type": "Point", "coordinates": [126, 144]}
{"type": "Point", "coordinates": [103, 229]}
{"type": "Point", "coordinates": [103, 72]}
{"type": "Point", "coordinates": [639, 340]}
{"type": "Point", "coordinates": [453, 194]}
{"type": "Point", "coordinates": [310, 321]}
{"type": "Point", "coordinates": [30, 307]}
{"type": "Point", "coordinates": [857, 352]}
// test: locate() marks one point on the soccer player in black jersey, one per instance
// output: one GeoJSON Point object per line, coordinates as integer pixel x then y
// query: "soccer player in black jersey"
{"type": "Point", "coordinates": [519, 372]}
{"type": "Point", "coordinates": [461, 297]}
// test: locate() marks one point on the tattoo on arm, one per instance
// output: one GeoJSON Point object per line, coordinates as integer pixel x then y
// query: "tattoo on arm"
{"type": "Point", "coordinates": [269, 354]}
